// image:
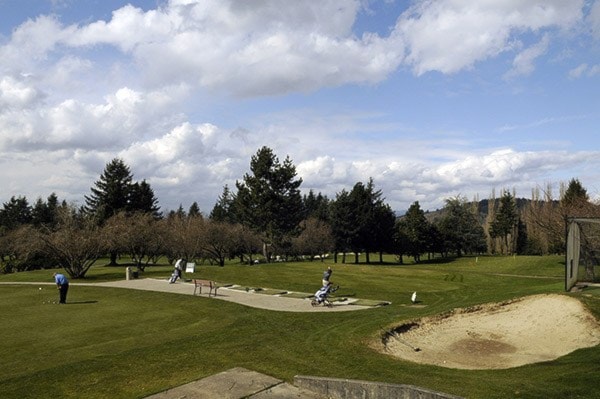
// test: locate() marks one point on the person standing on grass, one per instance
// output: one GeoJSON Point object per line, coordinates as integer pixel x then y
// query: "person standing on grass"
{"type": "Point", "coordinates": [63, 286]}
{"type": "Point", "coordinates": [327, 276]}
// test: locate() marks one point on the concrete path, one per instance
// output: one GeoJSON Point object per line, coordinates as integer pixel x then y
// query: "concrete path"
{"type": "Point", "coordinates": [253, 299]}
{"type": "Point", "coordinates": [236, 383]}
{"type": "Point", "coordinates": [276, 302]}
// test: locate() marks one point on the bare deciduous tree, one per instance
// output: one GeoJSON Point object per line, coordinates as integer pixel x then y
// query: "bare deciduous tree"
{"type": "Point", "coordinates": [184, 235]}
{"type": "Point", "coordinates": [138, 234]}
{"type": "Point", "coordinates": [21, 250]}
{"type": "Point", "coordinates": [76, 243]}
{"type": "Point", "coordinates": [315, 239]}
{"type": "Point", "coordinates": [219, 241]}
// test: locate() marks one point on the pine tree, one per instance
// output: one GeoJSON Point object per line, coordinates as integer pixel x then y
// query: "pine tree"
{"type": "Point", "coordinates": [414, 230]}
{"type": "Point", "coordinates": [111, 194]}
{"type": "Point", "coordinates": [343, 225]}
{"type": "Point", "coordinates": [269, 200]}
{"type": "Point", "coordinates": [316, 206]}
{"type": "Point", "coordinates": [142, 199]}
{"type": "Point", "coordinates": [460, 228]}
{"type": "Point", "coordinates": [15, 213]}
{"type": "Point", "coordinates": [194, 210]}
{"type": "Point", "coordinates": [223, 209]}
{"type": "Point", "coordinates": [505, 223]}
{"type": "Point", "coordinates": [575, 194]}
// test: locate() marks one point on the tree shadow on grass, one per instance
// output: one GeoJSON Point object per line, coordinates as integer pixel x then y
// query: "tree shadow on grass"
{"type": "Point", "coordinates": [80, 302]}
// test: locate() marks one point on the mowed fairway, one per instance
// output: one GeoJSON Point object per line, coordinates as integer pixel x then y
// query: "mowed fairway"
{"type": "Point", "coordinates": [119, 343]}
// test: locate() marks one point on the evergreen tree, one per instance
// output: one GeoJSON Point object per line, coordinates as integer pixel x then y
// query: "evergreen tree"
{"type": "Point", "coordinates": [41, 214]}
{"type": "Point", "coordinates": [505, 222]}
{"type": "Point", "coordinates": [460, 228]}
{"type": "Point", "coordinates": [223, 209]}
{"type": "Point", "coordinates": [361, 202]}
{"type": "Point", "coordinates": [178, 214]}
{"type": "Point", "coordinates": [414, 229]}
{"type": "Point", "coordinates": [522, 245]}
{"type": "Point", "coordinates": [316, 206]}
{"type": "Point", "coordinates": [361, 221]}
{"type": "Point", "coordinates": [15, 213]}
{"type": "Point", "coordinates": [111, 194]}
{"type": "Point", "coordinates": [374, 219]}
{"type": "Point", "coordinates": [142, 199]}
{"type": "Point", "coordinates": [116, 192]}
{"type": "Point", "coordinates": [343, 223]}
{"type": "Point", "coordinates": [269, 200]}
{"type": "Point", "coordinates": [400, 240]}
{"type": "Point", "coordinates": [194, 210]}
{"type": "Point", "coordinates": [383, 223]}
{"type": "Point", "coordinates": [575, 194]}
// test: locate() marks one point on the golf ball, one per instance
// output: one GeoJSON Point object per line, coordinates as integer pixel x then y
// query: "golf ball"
{"type": "Point", "coordinates": [40, 288]}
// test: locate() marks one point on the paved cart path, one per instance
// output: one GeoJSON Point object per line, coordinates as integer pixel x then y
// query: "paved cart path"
{"type": "Point", "coordinates": [253, 299]}
{"type": "Point", "coordinates": [231, 294]}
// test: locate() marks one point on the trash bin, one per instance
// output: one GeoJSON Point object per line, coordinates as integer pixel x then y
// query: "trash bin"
{"type": "Point", "coordinates": [136, 274]}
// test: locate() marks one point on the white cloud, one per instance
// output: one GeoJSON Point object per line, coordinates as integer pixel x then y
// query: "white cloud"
{"type": "Point", "coordinates": [584, 70]}
{"type": "Point", "coordinates": [246, 49]}
{"type": "Point", "coordinates": [62, 73]}
{"type": "Point", "coordinates": [475, 175]}
{"type": "Point", "coordinates": [594, 19]}
{"type": "Point", "coordinates": [578, 71]}
{"type": "Point", "coordinates": [256, 49]}
{"type": "Point", "coordinates": [451, 35]}
{"type": "Point", "coordinates": [146, 86]}
{"type": "Point", "coordinates": [523, 64]}
{"type": "Point", "coordinates": [128, 28]}
{"type": "Point", "coordinates": [123, 117]}
{"type": "Point", "coordinates": [16, 94]}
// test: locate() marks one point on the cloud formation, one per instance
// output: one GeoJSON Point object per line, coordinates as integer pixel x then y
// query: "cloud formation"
{"type": "Point", "coordinates": [147, 86]}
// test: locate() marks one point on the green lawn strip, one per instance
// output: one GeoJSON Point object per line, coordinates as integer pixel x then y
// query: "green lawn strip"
{"type": "Point", "coordinates": [369, 302]}
{"type": "Point", "coordinates": [119, 343]}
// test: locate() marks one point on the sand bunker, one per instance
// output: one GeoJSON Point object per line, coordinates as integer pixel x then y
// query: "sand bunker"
{"type": "Point", "coordinates": [497, 336]}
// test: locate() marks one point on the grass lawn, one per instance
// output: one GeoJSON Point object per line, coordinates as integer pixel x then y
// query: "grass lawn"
{"type": "Point", "coordinates": [118, 343]}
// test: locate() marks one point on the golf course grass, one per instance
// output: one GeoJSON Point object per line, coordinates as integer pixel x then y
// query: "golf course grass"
{"type": "Point", "coordinates": [120, 343]}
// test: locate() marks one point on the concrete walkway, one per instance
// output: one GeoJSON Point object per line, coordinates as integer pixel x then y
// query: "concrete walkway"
{"type": "Point", "coordinates": [236, 383]}
{"type": "Point", "coordinates": [252, 299]}
{"type": "Point", "coordinates": [240, 383]}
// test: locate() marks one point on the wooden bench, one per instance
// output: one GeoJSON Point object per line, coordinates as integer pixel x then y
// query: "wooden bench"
{"type": "Point", "coordinates": [212, 286]}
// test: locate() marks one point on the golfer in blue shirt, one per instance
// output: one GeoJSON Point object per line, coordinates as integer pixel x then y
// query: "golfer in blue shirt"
{"type": "Point", "coordinates": [63, 286]}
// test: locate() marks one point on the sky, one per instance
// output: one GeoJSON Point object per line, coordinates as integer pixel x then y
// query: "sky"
{"type": "Point", "coordinates": [432, 99]}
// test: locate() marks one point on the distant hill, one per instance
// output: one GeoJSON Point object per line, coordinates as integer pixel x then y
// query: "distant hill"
{"type": "Point", "coordinates": [483, 206]}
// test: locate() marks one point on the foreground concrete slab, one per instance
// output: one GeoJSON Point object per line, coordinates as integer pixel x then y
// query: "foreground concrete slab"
{"type": "Point", "coordinates": [236, 383]}
{"type": "Point", "coordinates": [286, 391]}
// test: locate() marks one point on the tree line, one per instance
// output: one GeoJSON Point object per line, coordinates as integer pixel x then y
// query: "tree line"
{"type": "Point", "coordinates": [266, 218]}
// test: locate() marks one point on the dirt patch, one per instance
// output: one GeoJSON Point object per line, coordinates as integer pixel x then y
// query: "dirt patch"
{"type": "Point", "coordinates": [496, 336]}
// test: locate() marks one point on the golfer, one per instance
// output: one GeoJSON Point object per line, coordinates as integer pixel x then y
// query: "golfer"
{"type": "Point", "coordinates": [177, 271]}
{"type": "Point", "coordinates": [63, 286]}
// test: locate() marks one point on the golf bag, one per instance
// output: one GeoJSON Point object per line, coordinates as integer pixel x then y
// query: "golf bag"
{"type": "Point", "coordinates": [322, 295]}
{"type": "Point", "coordinates": [174, 276]}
